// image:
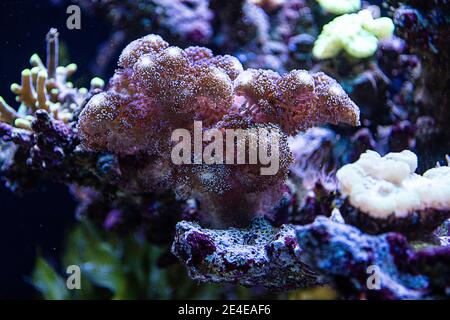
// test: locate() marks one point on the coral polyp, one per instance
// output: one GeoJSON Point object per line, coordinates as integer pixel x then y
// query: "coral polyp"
{"type": "Point", "coordinates": [179, 86]}
{"type": "Point", "coordinates": [340, 6]}
{"type": "Point", "coordinates": [295, 101]}
{"type": "Point", "coordinates": [390, 196]}
{"type": "Point", "coordinates": [357, 34]}
{"type": "Point", "coordinates": [39, 134]}
{"type": "Point", "coordinates": [159, 89]}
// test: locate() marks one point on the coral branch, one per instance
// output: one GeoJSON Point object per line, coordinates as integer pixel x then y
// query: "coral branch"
{"type": "Point", "coordinates": [52, 52]}
{"type": "Point", "coordinates": [7, 113]}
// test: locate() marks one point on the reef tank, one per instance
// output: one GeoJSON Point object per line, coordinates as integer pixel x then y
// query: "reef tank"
{"type": "Point", "coordinates": [240, 149]}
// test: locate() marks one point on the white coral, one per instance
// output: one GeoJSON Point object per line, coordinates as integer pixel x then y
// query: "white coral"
{"type": "Point", "coordinates": [381, 186]}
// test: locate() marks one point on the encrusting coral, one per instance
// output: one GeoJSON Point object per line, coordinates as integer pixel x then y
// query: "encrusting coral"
{"type": "Point", "coordinates": [357, 34]}
{"type": "Point", "coordinates": [159, 88]}
{"type": "Point", "coordinates": [384, 194]}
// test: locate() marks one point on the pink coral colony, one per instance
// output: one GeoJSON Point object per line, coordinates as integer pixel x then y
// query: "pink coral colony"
{"type": "Point", "coordinates": [159, 88]}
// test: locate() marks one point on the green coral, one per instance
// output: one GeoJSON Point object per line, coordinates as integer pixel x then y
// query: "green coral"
{"type": "Point", "coordinates": [340, 6]}
{"type": "Point", "coordinates": [357, 34]}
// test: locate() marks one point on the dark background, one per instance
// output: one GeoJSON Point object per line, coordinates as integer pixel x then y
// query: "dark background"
{"type": "Point", "coordinates": [36, 221]}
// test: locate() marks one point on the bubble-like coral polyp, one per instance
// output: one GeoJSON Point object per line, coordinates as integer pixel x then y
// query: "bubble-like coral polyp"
{"type": "Point", "coordinates": [357, 34]}
{"type": "Point", "coordinates": [340, 6]}
{"type": "Point", "coordinates": [382, 186]}
{"type": "Point", "coordinates": [159, 88]}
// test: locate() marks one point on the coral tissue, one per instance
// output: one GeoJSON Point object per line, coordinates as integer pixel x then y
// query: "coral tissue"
{"type": "Point", "coordinates": [159, 88]}
{"type": "Point", "coordinates": [387, 188]}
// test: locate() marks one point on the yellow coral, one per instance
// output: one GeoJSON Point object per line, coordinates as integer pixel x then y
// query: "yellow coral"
{"type": "Point", "coordinates": [340, 6]}
{"type": "Point", "coordinates": [45, 86]}
{"type": "Point", "coordinates": [357, 34]}
{"type": "Point", "coordinates": [7, 113]}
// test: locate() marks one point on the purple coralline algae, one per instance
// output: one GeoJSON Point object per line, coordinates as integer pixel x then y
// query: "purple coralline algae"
{"type": "Point", "coordinates": [260, 255]}
{"type": "Point", "coordinates": [348, 257]}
